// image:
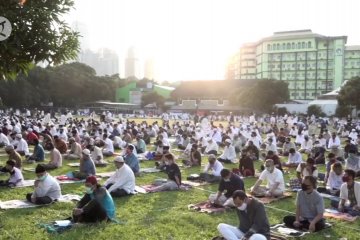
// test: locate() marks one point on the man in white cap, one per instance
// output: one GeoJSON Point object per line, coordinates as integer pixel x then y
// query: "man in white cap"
{"type": "Point", "coordinates": [4, 141]}
{"type": "Point", "coordinates": [87, 166]}
{"type": "Point", "coordinates": [229, 154]}
{"type": "Point", "coordinates": [212, 147]}
{"type": "Point", "coordinates": [122, 182]}
{"type": "Point", "coordinates": [22, 147]}
{"type": "Point", "coordinates": [353, 135]}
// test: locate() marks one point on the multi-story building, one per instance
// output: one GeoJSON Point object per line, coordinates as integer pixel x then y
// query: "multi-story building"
{"type": "Point", "coordinates": [312, 64]}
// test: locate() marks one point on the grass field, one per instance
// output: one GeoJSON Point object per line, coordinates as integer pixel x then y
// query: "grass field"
{"type": "Point", "coordinates": [152, 216]}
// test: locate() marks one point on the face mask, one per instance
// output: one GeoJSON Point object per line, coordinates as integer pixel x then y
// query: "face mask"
{"type": "Point", "coordinates": [242, 207]}
{"type": "Point", "coordinates": [304, 187]}
{"type": "Point", "coordinates": [167, 163]}
{"type": "Point", "coordinates": [345, 178]}
{"type": "Point", "coordinates": [42, 178]}
{"type": "Point", "coordinates": [226, 180]}
{"type": "Point", "coordinates": [269, 169]}
{"type": "Point", "coordinates": [88, 190]}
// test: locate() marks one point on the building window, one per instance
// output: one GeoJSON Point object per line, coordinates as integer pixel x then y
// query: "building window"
{"type": "Point", "coordinates": [283, 46]}
{"type": "Point", "coordinates": [278, 46]}
{"type": "Point", "coordinates": [274, 46]}
{"type": "Point", "coordinates": [298, 45]}
{"type": "Point", "coordinates": [293, 45]}
{"type": "Point", "coordinates": [288, 46]}
{"type": "Point", "coordinates": [309, 44]}
{"type": "Point", "coordinates": [269, 47]}
{"type": "Point", "coordinates": [303, 45]}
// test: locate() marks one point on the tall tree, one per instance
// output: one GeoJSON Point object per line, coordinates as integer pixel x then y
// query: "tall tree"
{"type": "Point", "coordinates": [39, 33]}
{"type": "Point", "coordinates": [349, 93]}
{"type": "Point", "coordinates": [263, 95]}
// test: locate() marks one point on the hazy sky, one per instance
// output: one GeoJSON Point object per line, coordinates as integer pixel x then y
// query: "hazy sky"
{"type": "Point", "coordinates": [192, 39]}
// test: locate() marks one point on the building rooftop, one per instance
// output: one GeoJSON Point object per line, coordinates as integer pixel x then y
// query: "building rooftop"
{"type": "Point", "coordinates": [353, 47]}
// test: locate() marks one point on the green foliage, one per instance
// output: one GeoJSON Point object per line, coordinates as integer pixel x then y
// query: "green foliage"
{"type": "Point", "coordinates": [66, 86]}
{"type": "Point", "coordinates": [281, 111]}
{"type": "Point", "coordinates": [342, 111]}
{"type": "Point", "coordinates": [315, 110]}
{"type": "Point", "coordinates": [263, 95]}
{"type": "Point", "coordinates": [39, 33]}
{"type": "Point", "coordinates": [349, 93]}
{"type": "Point", "coordinates": [152, 97]}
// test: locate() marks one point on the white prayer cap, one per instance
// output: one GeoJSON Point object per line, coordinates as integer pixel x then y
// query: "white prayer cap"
{"type": "Point", "coordinates": [353, 130]}
{"type": "Point", "coordinates": [86, 151]}
{"type": "Point", "coordinates": [119, 159]}
{"type": "Point", "coordinates": [18, 135]}
{"type": "Point", "coordinates": [209, 139]}
{"type": "Point", "coordinates": [228, 140]}
{"type": "Point", "coordinates": [30, 129]}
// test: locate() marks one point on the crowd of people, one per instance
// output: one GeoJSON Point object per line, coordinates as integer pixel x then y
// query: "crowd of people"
{"type": "Point", "coordinates": [305, 143]}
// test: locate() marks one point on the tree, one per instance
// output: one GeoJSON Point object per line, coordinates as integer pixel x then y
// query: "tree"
{"type": "Point", "coordinates": [39, 33]}
{"type": "Point", "coordinates": [264, 95]}
{"type": "Point", "coordinates": [349, 93]}
{"type": "Point", "coordinates": [152, 97]}
{"type": "Point", "coordinates": [315, 110]}
{"type": "Point", "coordinates": [342, 111]}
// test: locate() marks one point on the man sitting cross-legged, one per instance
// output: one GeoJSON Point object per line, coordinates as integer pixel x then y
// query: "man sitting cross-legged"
{"type": "Point", "coordinates": [212, 170]}
{"type": "Point", "coordinates": [122, 183]}
{"type": "Point", "coordinates": [254, 224]}
{"type": "Point", "coordinates": [16, 177]}
{"type": "Point", "coordinates": [275, 182]}
{"type": "Point", "coordinates": [46, 188]}
{"type": "Point", "coordinates": [230, 183]}
{"type": "Point", "coordinates": [96, 205]}
{"type": "Point", "coordinates": [174, 176]}
{"type": "Point", "coordinates": [309, 208]}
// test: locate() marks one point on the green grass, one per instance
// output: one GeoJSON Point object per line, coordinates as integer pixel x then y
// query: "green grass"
{"type": "Point", "coordinates": [152, 216]}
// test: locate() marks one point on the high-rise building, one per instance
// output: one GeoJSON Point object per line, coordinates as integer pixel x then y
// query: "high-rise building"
{"type": "Point", "coordinates": [132, 68]}
{"type": "Point", "coordinates": [105, 61]}
{"type": "Point", "coordinates": [312, 64]}
{"type": "Point", "coordinates": [149, 69]}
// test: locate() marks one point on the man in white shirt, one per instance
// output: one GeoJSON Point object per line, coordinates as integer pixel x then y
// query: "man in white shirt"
{"type": "Point", "coordinates": [212, 147]}
{"type": "Point", "coordinates": [294, 159]}
{"type": "Point", "coordinates": [275, 182]}
{"type": "Point", "coordinates": [108, 149]}
{"type": "Point", "coordinates": [255, 139]}
{"type": "Point", "coordinates": [334, 144]}
{"type": "Point", "coordinates": [122, 183]}
{"type": "Point", "coordinates": [16, 177]}
{"type": "Point", "coordinates": [22, 147]}
{"type": "Point", "coordinates": [306, 145]}
{"type": "Point", "coordinates": [46, 188]}
{"type": "Point", "coordinates": [4, 141]}
{"type": "Point", "coordinates": [229, 154]}
{"type": "Point", "coordinates": [97, 155]}
{"type": "Point", "coordinates": [55, 158]}
{"type": "Point", "coordinates": [212, 170]}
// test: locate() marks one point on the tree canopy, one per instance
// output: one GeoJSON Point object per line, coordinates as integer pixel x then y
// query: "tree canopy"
{"type": "Point", "coordinates": [152, 97]}
{"type": "Point", "coordinates": [349, 93]}
{"type": "Point", "coordinates": [65, 85]}
{"type": "Point", "coordinates": [39, 33]}
{"type": "Point", "coordinates": [263, 95]}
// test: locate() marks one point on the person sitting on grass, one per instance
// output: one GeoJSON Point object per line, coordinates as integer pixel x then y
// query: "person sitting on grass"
{"type": "Point", "coordinates": [230, 183]}
{"type": "Point", "coordinates": [22, 146]}
{"type": "Point", "coordinates": [353, 162]}
{"type": "Point", "coordinates": [75, 150]}
{"type": "Point", "coordinates": [174, 176]}
{"type": "Point", "coordinates": [229, 154]}
{"type": "Point", "coordinates": [46, 188]}
{"type": "Point", "coordinates": [254, 223]}
{"type": "Point", "coordinates": [39, 153]}
{"type": "Point", "coordinates": [349, 195]}
{"type": "Point", "coordinates": [87, 166]}
{"type": "Point", "coordinates": [97, 155]}
{"type": "Point", "coordinates": [108, 149]}
{"type": "Point", "coordinates": [309, 208]}
{"type": "Point", "coordinates": [294, 160]}
{"type": "Point", "coordinates": [275, 182]}
{"type": "Point", "coordinates": [14, 155]}
{"type": "Point", "coordinates": [122, 182]}
{"type": "Point", "coordinates": [195, 157]}
{"type": "Point", "coordinates": [212, 147]}
{"type": "Point", "coordinates": [16, 177]}
{"type": "Point", "coordinates": [59, 144]}
{"type": "Point", "coordinates": [96, 205]}
{"type": "Point", "coordinates": [212, 170]}
{"type": "Point", "coordinates": [334, 181]}
{"type": "Point", "coordinates": [287, 146]}
{"type": "Point", "coordinates": [55, 158]}
{"type": "Point", "coordinates": [131, 159]}
{"type": "Point", "coordinates": [306, 169]}
{"type": "Point", "coordinates": [140, 144]}
{"type": "Point", "coordinates": [246, 164]}
{"type": "Point", "coordinates": [318, 153]}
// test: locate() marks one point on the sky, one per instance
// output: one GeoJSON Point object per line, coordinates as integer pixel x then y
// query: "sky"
{"type": "Point", "coordinates": [193, 39]}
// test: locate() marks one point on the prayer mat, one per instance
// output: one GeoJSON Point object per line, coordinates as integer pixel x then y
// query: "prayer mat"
{"type": "Point", "coordinates": [267, 200]}
{"type": "Point", "coordinates": [331, 197]}
{"type": "Point", "coordinates": [105, 174]}
{"type": "Point", "coordinates": [207, 207]}
{"type": "Point", "coordinates": [63, 179]}
{"type": "Point", "coordinates": [283, 231]}
{"type": "Point", "coordinates": [29, 169]}
{"type": "Point", "coordinates": [149, 170]}
{"type": "Point", "coordinates": [148, 188]}
{"type": "Point", "coordinates": [15, 204]}
{"type": "Point", "coordinates": [73, 164]}
{"type": "Point", "coordinates": [26, 183]}
{"type": "Point", "coordinates": [195, 183]}
{"type": "Point", "coordinates": [335, 214]}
